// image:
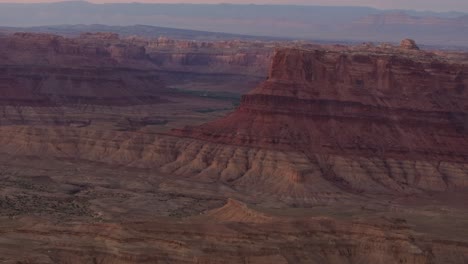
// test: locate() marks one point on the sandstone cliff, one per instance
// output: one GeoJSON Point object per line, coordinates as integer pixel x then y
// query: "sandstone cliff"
{"type": "Point", "coordinates": [343, 155]}
{"type": "Point", "coordinates": [352, 102]}
{"type": "Point", "coordinates": [327, 124]}
{"type": "Point", "coordinates": [39, 68]}
{"type": "Point", "coordinates": [340, 108]}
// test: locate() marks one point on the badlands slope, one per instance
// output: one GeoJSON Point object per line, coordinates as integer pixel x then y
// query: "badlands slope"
{"type": "Point", "coordinates": [343, 155]}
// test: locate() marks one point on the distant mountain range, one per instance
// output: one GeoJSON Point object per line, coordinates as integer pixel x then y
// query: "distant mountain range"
{"type": "Point", "coordinates": [137, 30]}
{"type": "Point", "coordinates": [297, 22]}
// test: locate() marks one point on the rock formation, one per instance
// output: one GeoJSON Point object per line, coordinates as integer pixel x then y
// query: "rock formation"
{"type": "Point", "coordinates": [409, 44]}
{"type": "Point", "coordinates": [357, 106]}
{"type": "Point", "coordinates": [109, 49]}
{"type": "Point", "coordinates": [313, 95]}
{"type": "Point", "coordinates": [339, 120]}
{"type": "Point", "coordinates": [343, 155]}
{"type": "Point", "coordinates": [100, 65]}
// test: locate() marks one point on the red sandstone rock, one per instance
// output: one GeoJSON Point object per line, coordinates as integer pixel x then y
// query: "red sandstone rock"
{"type": "Point", "coordinates": [101, 68]}
{"type": "Point", "coordinates": [361, 130]}
{"type": "Point", "coordinates": [354, 103]}
{"type": "Point", "coordinates": [409, 44]}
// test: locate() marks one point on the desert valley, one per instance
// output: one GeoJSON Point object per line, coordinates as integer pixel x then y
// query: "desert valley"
{"type": "Point", "coordinates": [131, 149]}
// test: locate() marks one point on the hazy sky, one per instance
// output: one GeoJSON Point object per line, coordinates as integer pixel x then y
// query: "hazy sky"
{"type": "Point", "coordinates": [435, 5]}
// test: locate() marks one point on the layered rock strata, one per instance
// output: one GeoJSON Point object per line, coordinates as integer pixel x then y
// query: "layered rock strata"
{"type": "Point", "coordinates": [393, 106]}
{"type": "Point", "coordinates": [326, 124]}
{"type": "Point", "coordinates": [343, 155]}
{"type": "Point", "coordinates": [103, 69]}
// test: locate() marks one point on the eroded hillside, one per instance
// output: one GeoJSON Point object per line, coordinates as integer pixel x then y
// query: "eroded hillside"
{"type": "Point", "coordinates": [342, 155]}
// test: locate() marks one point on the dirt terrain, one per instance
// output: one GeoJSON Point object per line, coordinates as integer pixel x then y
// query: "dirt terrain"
{"type": "Point", "coordinates": [339, 155]}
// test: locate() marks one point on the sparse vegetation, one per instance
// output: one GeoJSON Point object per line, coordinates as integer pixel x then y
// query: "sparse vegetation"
{"type": "Point", "coordinates": [227, 96]}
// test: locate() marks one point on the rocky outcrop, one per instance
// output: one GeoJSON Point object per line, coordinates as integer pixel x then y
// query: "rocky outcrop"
{"type": "Point", "coordinates": [352, 102]}
{"type": "Point", "coordinates": [389, 107]}
{"type": "Point", "coordinates": [228, 57]}
{"type": "Point", "coordinates": [238, 212]}
{"type": "Point", "coordinates": [107, 49]}
{"type": "Point", "coordinates": [409, 44]}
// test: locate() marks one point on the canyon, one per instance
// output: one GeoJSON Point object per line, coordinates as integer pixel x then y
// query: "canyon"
{"type": "Point", "coordinates": [132, 150]}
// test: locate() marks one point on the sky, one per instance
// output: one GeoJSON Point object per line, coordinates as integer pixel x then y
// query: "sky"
{"type": "Point", "coordinates": [432, 5]}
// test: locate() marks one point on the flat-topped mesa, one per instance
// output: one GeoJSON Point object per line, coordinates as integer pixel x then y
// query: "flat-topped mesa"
{"type": "Point", "coordinates": [44, 69]}
{"type": "Point", "coordinates": [100, 36]}
{"type": "Point", "coordinates": [380, 78]}
{"type": "Point", "coordinates": [352, 102]}
{"type": "Point", "coordinates": [49, 70]}
{"type": "Point", "coordinates": [108, 50]}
